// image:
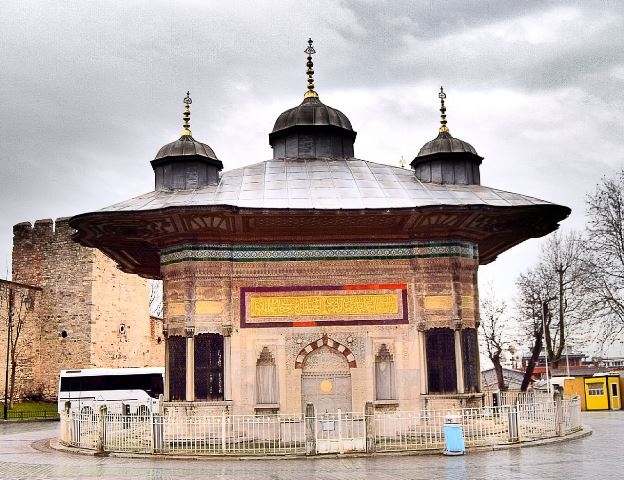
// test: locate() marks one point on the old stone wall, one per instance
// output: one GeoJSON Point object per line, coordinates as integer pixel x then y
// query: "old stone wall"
{"type": "Point", "coordinates": [76, 320]}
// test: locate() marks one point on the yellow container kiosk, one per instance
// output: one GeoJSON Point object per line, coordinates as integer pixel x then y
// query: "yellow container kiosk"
{"type": "Point", "coordinates": [602, 392]}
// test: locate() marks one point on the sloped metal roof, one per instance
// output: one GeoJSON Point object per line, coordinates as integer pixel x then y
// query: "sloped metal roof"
{"type": "Point", "coordinates": [324, 184]}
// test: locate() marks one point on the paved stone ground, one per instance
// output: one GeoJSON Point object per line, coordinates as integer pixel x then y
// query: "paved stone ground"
{"type": "Point", "coordinates": [25, 454]}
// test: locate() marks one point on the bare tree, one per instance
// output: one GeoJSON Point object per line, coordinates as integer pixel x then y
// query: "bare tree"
{"type": "Point", "coordinates": [605, 231]}
{"type": "Point", "coordinates": [495, 332]}
{"type": "Point", "coordinates": [530, 293]}
{"type": "Point", "coordinates": [554, 299]}
{"type": "Point", "coordinates": [15, 304]}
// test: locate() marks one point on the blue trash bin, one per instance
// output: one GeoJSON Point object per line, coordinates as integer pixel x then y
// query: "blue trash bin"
{"type": "Point", "coordinates": [453, 436]}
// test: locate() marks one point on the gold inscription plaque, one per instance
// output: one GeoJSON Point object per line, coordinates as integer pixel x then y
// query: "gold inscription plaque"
{"type": "Point", "coordinates": [438, 302]}
{"type": "Point", "coordinates": [208, 306]}
{"type": "Point", "coordinates": [324, 305]}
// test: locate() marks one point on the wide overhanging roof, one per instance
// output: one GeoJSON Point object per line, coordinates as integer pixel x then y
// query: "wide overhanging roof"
{"type": "Point", "coordinates": [315, 200]}
{"type": "Point", "coordinates": [324, 184]}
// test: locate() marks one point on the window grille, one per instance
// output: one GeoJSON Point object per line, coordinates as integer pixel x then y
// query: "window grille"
{"type": "Point", "coordinates": [177, 367]}
{"type": "Point", "coordinates": [441, 370]}
{"type": "Point", "coordinates": [208, 363]}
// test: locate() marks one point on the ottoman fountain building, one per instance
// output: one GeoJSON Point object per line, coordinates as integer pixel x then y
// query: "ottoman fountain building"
{"type": "Point", "coordinates": [317, 277]}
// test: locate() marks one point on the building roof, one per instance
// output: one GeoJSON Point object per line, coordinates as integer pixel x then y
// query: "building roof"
{"type": "Point", "coordinates": [314, 191]}
{"type": "Point", "coordinates": [327, 184]}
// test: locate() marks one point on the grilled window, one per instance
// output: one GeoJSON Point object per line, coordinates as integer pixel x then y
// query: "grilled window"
{"type": "Point", "coordinates": [470, 353]}
{"type": "Point", "coordinates": [177, 367]}
{"type": "Point", "coordinates": [441, 370]}
{"type": "Point", "coordinates": [208, 366]}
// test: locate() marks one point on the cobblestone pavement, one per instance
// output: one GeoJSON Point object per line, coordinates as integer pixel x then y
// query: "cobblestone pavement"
{"type": "Point", "coordinates": [25, 454]}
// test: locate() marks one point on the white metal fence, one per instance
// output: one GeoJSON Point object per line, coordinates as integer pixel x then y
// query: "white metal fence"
{"type": "Point", "coordinates": [338, 432]}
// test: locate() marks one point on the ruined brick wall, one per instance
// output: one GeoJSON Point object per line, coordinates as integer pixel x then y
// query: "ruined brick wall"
{"type": "Point", "coordinates": [76, 317]}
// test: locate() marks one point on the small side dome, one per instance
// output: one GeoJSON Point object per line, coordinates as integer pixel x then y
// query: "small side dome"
{"type": "Point", "coordinates": [312, 129]}
{"type": "Point", "coordinates": [186, 164]}
{"type": "Point", "coordinates": [446, 143]}
{"type": "Point", "coordinates": [446, 159]}
{"type": "Point", "coordinates": [186, 145]}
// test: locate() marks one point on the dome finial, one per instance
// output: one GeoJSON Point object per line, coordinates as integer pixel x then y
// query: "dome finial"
{"type": "Point", "coordinates": [187, 115]}
{"type": "Point", "coordinates": [310, 51]}
{"type": "Point", "coordinates": [442, 96]}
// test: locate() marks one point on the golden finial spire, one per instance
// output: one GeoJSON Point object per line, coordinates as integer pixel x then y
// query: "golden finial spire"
{"type": "Point", "coordinates": [187, 115]}
{"type": "Point", "coordinates": [310, 51]}
{"type": "Point", "coordinates": [442, 96]}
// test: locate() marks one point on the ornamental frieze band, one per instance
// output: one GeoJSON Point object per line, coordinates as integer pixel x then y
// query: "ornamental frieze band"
{"type": "Point", "coordinates": [276, 253]}
{"type": "Point", "coordinates": [311, 305]}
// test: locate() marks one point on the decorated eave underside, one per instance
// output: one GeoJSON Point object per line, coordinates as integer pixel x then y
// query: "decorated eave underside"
{"type": "Point", "coordinates": [314, 201]}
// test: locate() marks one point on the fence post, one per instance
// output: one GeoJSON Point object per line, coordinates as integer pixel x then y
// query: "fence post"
{"type": "Point", "coordinates": [369, 420]}
{"type": "Point", "coordinates": [223, 444]}
{"type": "Point", "coordinates": [157, 433]}
{"type": "Point", "coordinates": [559, 430]}
{"type": "Point", "coordinates": [310, 429]}
{"type": "Point", "coordinates": [512, 417]}
{"type": "Point", "coordinates": [101, 430]}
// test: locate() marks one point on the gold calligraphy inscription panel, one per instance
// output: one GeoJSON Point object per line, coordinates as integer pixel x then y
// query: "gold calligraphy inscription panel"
{"type": "Point", "coordinates": [324, 305]}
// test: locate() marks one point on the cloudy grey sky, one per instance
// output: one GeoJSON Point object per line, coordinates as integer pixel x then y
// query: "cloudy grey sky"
{"type": "Point", "coordinates": [91, 90]}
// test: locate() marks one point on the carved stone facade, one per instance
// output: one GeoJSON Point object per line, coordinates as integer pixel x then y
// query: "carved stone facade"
{"type": "Point", "coordinates": [329, 319]}
{"type": "Point", "coordinates": [87, 314]}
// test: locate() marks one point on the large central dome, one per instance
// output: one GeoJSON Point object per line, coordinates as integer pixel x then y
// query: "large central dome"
{"type": "Point", "coordinates": [312, 112]}
{"type": "Point", "coordinates": [312, 129]}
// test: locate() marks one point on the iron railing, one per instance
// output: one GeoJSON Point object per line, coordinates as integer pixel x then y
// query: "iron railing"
{"type": "Point", "coordinates": [339, 432]}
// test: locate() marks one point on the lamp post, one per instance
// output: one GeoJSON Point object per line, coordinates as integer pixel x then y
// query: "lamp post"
{"type": "Point", "coordinates": [9, 334]}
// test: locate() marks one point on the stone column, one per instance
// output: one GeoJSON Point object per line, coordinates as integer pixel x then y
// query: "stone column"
{"type": "Point", "coordinates": [459, 364]}
{"type": "Point", "coordinates": [422, 351]}
{"type": "Point", "coordinates": [167, 372]}
{"type": "Point", "coordinates": [227, 362]}
{"type": "Point", "coordinates": [190, 363]}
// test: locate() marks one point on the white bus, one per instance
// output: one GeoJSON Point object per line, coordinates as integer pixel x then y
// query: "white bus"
{"type": "Point", "coordinates": [89, 388]}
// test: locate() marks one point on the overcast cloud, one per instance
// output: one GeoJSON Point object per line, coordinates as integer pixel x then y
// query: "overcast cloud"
{"type": "Point", "coordinates": [91, 90]}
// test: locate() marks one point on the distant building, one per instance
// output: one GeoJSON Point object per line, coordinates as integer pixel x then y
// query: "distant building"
{"type": "Point", "coordinates": [512, 378]}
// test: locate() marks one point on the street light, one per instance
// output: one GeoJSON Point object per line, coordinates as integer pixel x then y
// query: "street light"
{"type": "Point", "coordinates": [544, 314]}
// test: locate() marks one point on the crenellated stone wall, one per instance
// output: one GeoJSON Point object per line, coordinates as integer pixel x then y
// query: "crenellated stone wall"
{"type": "Point", "coordinates": [87, 314]}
